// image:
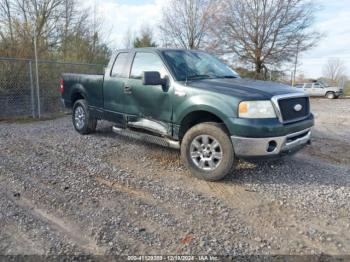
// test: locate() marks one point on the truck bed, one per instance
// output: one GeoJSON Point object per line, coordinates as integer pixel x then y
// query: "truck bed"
{"type": "Point", "coordinates": [91, 86]}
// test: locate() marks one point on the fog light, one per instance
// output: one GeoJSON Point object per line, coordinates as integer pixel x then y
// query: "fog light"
{"type": "Point", "coordinates": [271, 146]}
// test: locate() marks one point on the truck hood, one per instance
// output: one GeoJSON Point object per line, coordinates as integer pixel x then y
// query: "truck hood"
{"type": "Point", "coordinates": [243, 88]}
{"type": "Point", "coordinates": [333, 88]}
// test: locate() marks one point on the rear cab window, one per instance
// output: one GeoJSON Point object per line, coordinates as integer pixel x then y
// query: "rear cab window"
{"type": "Point", "coordinates": [118, 69]}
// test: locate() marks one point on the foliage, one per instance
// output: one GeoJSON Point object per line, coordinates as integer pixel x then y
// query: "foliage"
{"type": "Point", "coordinates": [61, 29]}
{"type": "Point", "coordinates": [334, 70]}
{"type": "Point", "coordinates": [145, 39]}
{"type": "Point", "coordinates": [347, 88]}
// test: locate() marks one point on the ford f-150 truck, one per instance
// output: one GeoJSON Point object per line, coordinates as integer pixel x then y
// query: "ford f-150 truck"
{"type": "Point", "coordinates": [191, 101]}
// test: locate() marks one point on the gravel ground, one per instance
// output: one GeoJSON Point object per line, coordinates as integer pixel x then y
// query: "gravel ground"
{"type": "Point", "coordinates": [63, 193]}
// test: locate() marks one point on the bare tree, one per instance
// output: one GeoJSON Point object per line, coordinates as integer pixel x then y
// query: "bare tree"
{"type": "Point", "coordinates": [62, 29]}
{"type": "Point", "coordinates": [265, 32]}
{"type": "Point", "coordinates": [128, 39]}
{"type": "Point", "coordinates": [185, 23]}
{"type": "Point", "coordinates": [334, 70]}
{"type": "Point", "coordinates": [5, 14]}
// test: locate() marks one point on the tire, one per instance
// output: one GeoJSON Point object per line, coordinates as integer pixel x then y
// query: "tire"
{"type": "Point", "coordinates": [82, 121]}
{"type": "Point", "coordinates": [330, 95]}
{"type": "Point", "coordinates": [204, 163]}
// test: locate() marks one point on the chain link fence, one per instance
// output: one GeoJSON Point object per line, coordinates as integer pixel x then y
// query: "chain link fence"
{"type": "Point", "coordinates": [23, 93]}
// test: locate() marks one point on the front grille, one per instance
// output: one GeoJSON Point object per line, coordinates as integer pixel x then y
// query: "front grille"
{"type": "Point", "coordinates": [287, 107]}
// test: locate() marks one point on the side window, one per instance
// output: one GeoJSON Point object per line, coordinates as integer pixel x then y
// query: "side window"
{"type": "Point", "coordinates": [308, 86]}
{"type": "Point", "coordinates": [118, 69]}
{"type": "Point", "coordinates": [317, 85]}
{"type": "Point", "coordinates": [146, 62]}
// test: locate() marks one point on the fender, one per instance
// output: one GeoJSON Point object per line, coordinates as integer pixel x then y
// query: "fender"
{"type": "Point", "coordinates": [78, 89]}
{"type": "Point", "coordinates": [204, 102]}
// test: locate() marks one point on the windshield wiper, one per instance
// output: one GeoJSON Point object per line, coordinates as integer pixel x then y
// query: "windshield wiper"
{"type": "Point", "coordinates": [226, 76]}
{"type": "Point", "coordinates": [198, 77]}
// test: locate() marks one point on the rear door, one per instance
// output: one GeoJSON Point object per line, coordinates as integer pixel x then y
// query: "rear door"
{"type": "Point", "coordinates": [147, 102]}
{"type": "Point", "coordinates": [113, 87]}
{"type": "Point", "coordinates": [318, 89]}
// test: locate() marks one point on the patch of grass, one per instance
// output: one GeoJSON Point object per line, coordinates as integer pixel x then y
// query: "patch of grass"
{"type": "Point", "coordinates": [347, 89]}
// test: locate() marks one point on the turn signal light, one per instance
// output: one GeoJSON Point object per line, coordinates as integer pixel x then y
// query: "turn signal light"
{"type": "Point", "coordinates": [243, 108]}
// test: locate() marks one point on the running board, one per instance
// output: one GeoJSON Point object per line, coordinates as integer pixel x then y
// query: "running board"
{"type": "Point", "coordinates": [147, 138]}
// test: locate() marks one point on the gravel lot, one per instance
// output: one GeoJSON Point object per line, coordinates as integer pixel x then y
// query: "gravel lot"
{"type": "Point", "coordinates": [63, 193]}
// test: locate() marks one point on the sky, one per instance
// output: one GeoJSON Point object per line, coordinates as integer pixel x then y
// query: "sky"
{"type": "Point", "coordinates": [332, 20]}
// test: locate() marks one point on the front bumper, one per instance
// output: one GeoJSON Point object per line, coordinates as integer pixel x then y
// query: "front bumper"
{"type": "Point", "coordinates": [339, 93]}
{"type": "Point", "coordinates": [247, 147]}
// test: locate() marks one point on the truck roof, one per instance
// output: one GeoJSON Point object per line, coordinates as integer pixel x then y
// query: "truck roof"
{"type": "Point", "coordinates": [153, 49]}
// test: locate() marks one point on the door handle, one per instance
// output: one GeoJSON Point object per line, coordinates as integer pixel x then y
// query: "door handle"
{"type": "Point", "coordinates": [127, 89]}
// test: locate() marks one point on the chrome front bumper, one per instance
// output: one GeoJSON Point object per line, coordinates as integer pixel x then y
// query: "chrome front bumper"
{"type": "Point", "coordinates": [270, 146]}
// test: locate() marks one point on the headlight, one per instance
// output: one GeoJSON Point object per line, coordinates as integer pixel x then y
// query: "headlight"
{"type": "Point", "coordinates": [256, 109]}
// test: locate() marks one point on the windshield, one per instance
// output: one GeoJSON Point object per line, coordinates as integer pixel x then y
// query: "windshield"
{"type": "Point", "coordinates": [191, 65]}
{"type": "Point", "coordinates": [323, 83]}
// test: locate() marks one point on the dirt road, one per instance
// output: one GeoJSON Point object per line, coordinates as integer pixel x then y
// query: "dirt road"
{"type": "Point", "coordinates": [63, 193]}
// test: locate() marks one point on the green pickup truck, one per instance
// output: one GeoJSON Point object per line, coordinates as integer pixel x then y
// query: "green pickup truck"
{"type": "Point", "coordinates": [190, 100]}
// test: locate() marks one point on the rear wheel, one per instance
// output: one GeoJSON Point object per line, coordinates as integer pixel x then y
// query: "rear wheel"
{"type": "Point", "coordinates": [207, 151]}
{"type": "Point", "coordinates": [330, 95]}
{"type": "Point", "coordinates": [81, 118]}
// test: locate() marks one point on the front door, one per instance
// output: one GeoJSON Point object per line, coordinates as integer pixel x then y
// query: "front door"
{"type": "Point", "coordinates": [150, 104]}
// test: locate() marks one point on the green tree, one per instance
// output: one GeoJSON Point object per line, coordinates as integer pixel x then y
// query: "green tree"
{"type": "Point", "coordinates": [145, 39]}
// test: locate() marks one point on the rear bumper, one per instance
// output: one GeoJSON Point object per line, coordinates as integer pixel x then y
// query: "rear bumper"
{"type": "Point", "coordinates": [247, 147]}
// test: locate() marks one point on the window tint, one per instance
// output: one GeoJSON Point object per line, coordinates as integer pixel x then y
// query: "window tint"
{"type": "Point", "coordinates": [308, 86]}
{"type": "Point", "coordinates": [146, 62]}
{"type": "Point", "coordinates": [317, 86]}
{"type": "Point", "coordinates": [119, 65]}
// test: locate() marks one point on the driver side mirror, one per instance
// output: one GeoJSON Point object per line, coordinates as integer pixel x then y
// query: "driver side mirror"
{"type": "Point", "coordinates": [152, 78]}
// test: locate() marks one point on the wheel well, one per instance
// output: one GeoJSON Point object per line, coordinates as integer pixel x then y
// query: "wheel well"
{"type": "Point", "coordinates": [195, 118]}
{"type": "Point", "coordinates": [75, 97]}
{"type": "Point", "coordinates": [330, 92]}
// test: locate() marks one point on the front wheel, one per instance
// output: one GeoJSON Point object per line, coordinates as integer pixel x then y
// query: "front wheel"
{"type": "Point", "coordinates": [207, 151]}
{"type": "Point", "coordinates": [82, 120]}
{"type": "Point", "coordinates": [330, 95]}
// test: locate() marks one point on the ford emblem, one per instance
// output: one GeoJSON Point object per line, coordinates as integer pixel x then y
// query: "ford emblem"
{"type": "Point", "coordinates": [298, 107]}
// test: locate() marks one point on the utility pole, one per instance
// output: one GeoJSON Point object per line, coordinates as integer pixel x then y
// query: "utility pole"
{"type": "Point", "coordinates": [37, 72]}
{"type": "Point", "coordinates": [94, 33]}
